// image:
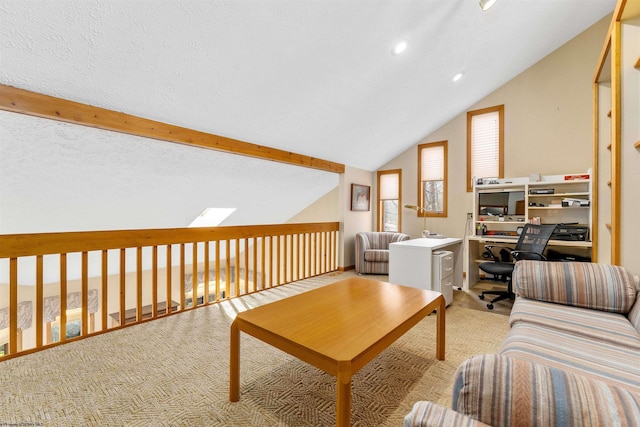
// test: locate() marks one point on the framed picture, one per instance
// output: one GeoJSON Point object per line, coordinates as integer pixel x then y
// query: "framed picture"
{"type": "Point", "coordinates": [360, 197]}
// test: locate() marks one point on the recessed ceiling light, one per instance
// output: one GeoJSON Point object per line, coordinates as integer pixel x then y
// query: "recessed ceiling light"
{"type": "Point", "coordinates": [457, 77]}
{"type": "Point", "coordinates": [486, 4]}
{"type": "Point", "coordinates": [400, 47]}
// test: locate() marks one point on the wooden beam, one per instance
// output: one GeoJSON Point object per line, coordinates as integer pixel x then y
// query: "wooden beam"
{"type": "Point", "coordinates": [49, 107]}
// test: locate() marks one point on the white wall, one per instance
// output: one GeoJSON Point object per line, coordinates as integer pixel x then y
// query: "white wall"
{"type": "Point", "coordinates": [548, 129]}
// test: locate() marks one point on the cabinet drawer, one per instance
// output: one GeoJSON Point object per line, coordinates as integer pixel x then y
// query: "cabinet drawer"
{"type": "Point", "coordinates": [446, 283]}
{"type": "Point", "coordinates": [446, 266]}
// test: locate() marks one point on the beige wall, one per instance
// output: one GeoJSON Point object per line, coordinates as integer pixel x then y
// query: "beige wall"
{"type": "Point", "coordinates": [630, 156]}
{"type": "Point", "coordinates": [353, 222]}
{"type": "Point", "coordinates": [325, 209]}
{"type": "Point", "coordinates": [548, 129]}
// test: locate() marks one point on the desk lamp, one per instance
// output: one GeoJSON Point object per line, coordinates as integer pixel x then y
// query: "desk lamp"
{"type": "Point", "coordinates": [425, 232]}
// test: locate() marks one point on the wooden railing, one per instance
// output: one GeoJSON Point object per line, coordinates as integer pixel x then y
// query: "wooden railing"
{"type": "Point", "coordinates": [58, 287]}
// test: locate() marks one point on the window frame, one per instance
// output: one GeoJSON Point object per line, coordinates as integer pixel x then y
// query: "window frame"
{"type": "Point", "coordinates": [470, 115]}
{"type": "Point", "coordinates": [422, 212]}
{"type": "Point", "coordinates": [379, 200]}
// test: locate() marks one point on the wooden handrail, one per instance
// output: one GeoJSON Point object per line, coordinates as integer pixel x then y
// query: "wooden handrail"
{"type": "Point", "coordinates": [20, 245]}
{"type": "Point", "coordinates": [264, 256]}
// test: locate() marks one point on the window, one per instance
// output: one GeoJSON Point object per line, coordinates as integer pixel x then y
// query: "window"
{"type": "Point", "coordinates": [389, 200]}
{"type": "Point", "coordinates": [432, 179]}
{"type": "Point", "coordinates": [485, 144]}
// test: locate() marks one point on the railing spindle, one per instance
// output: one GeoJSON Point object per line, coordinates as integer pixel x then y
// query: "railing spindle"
{"type": "Point", "coordinates": [138, 284]}
{"type": "Point", "coordinates": [227, 271]}
{"type": "Point", "coordinates": [218, 272]}
{"type": "Point", "coordinates": [85, 294]}
{"type": "Point", "coordinates": [13, 305]}
{"type": "Point", "coordinates": [236, 282]}
{"type": "Point", "coordinates": [246, 265]}
{"type": "Point", "coordinates": [105, 289]}
{"type": "Point", "coordinates": [39, 299]}
{"type": "Point", "coordinates": [123, 286]}
{"type": "Point", "coordinates": [182, 273]}
{"type": "Point", "coordinates": [206, 298]}
{"type": "Point", "coordinates": [194, 275]}
{"type": "Point", "coordinates": [63, 297]}
{"type": "Point", "coordinates": [255, 264]}
{"type": "Point", "coordinates": [154, 281]}
{"type": "Point", "coordinates": [168, 297]}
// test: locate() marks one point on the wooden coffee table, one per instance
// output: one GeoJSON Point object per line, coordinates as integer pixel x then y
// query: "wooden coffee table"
{"type": "Point", "coordinates": [338, 328]}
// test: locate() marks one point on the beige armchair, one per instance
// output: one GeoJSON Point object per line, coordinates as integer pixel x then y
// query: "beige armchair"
{"type": "Point", "coordinates": [372, 251]}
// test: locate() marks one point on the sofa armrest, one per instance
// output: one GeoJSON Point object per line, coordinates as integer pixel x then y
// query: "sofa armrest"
{"type": "Point", "coordinates": [429, 414]}
{"type": "Point", "coordinates": [504, 391]}
{"type": "Point", "coordinates": [582, 284]}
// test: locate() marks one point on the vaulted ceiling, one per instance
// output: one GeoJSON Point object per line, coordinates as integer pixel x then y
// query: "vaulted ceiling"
{"type": "Point", "coordinates": [315, 77]}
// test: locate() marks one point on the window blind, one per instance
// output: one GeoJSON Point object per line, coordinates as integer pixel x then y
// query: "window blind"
{"type": "Point", "coordinates": [485, 145]}
{"type": "Point", "coordinates": [389, 186]}
{"type": "Point", "coordinates": [432, 163]}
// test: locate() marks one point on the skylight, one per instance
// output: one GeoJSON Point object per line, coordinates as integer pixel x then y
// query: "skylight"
{"type": "Point", "coordinates": [212, 217]}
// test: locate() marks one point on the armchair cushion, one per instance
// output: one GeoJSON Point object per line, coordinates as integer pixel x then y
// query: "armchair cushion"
{"type": "Point", "coordinates": [504, 391]}
{"type": "Point", "coordinates": [582, 284]}
{"type": "Point", "coordinates": [376, 255]}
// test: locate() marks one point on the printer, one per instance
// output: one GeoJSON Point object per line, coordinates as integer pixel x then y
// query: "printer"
{"type": "Point", "coordinates": [571, 232]}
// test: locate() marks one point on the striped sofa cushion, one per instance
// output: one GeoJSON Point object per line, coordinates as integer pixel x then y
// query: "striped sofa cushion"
{"type": "Point", "coordinates": [429, 414]}
{"type": "Point", "coordinates": [602, 360]}
{"type": "Point", "coordinates": [503, 391]}
{"type": "Point", "coordinates": [581, 284]}
{"type": "Point", "coordinates": [634, 314]}
{"type": "Point", "coordinates": [600, 325]}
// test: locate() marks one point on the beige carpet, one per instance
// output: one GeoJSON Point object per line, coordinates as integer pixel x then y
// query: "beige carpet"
{"type": "Point", "coordinates": [174, 372]}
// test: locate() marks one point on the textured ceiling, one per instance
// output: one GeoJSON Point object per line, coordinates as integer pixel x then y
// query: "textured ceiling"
{"type": "Point", "coordinates": [313, 77]}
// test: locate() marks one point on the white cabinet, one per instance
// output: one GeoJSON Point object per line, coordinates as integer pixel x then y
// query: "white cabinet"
{"type": "Point", "coordinates": [442, 274]}
{"type": "Point", "coordinates": [410, 264]}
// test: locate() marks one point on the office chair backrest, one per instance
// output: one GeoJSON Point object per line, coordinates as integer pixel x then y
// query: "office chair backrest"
{"type": "Point", "coordinates": [534, 238]}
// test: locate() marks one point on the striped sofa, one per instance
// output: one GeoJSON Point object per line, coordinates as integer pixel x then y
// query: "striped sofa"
{"type": "Point", "coordinates": [571, 357]}
{"type": "Point", "coordinates": [372, 251]}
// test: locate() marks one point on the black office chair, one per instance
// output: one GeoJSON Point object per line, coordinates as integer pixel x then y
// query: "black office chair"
{"type": "Point", "coordinates": [531, 244]}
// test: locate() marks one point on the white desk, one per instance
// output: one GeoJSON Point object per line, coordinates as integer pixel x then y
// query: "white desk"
{"type": "Point", "coordinates": [410, 261]}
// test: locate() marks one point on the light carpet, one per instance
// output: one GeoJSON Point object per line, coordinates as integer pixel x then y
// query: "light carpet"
{"type": "Point", "coordinates": [175, 372]}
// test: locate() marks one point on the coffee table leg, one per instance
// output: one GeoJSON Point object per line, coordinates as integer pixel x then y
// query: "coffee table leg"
{"type": "Point", "coordinates": [234, 364]}
{"type": "Point", "coordinates": [343, 400]}
{"type": "Point", "coordinates": [440, 331]}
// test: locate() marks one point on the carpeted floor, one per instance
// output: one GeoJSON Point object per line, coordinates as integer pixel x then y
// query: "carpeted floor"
{"type": "Point", "coordinates": [174, 372]}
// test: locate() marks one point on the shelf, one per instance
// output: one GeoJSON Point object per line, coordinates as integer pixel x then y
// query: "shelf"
{"type": "Point", "coordinates": [563, 182]}
{"type": "Point", "coordinates": [514, 239]}
{"type": "Point", "coordinates": [560, 194]}
{"type": "Point", "coordinates": [558, 207]}
{"type": "Point", "coordinates": [500, 222]}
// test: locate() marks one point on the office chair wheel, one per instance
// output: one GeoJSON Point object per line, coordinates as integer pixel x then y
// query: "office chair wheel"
{"type": "Point", "coordinates": [481, 296]}
{"type": "Point", "coordinates": [490, 306]}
